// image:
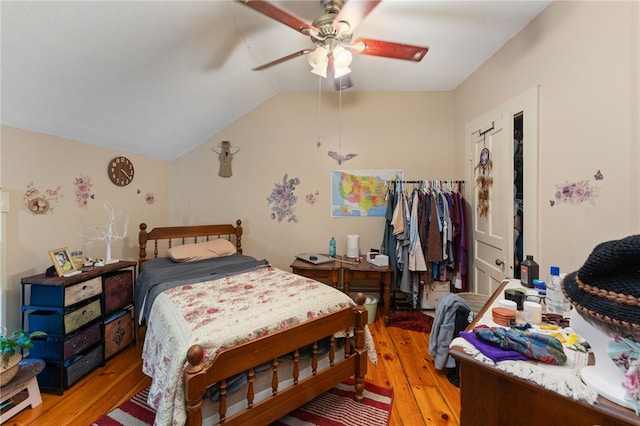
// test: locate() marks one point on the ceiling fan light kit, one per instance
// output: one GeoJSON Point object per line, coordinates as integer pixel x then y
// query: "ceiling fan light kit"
{"type": "Point", "coordinates": [331, 33]}
{"type": "Point", "coordinates": [318, 60]}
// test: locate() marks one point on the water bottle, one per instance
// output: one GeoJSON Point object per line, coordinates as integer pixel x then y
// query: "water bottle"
{"type": "Point", "coordinates": [332, 247]}
{"type": "Point", "coordinates": [556, 302]}
{"type": "Point", "coordinates": [528, 271]}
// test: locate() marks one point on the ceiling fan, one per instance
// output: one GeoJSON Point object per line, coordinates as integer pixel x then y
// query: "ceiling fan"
{"type": "Point", "coordinates": [332, 35]}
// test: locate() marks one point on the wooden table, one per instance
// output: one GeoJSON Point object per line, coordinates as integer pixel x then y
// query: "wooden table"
{"type": "Point", "coordinates": [489, 396]}
{"type": "Point", "coordinates": [24, 380]}
{"type": "Point", "coordinates": [325, 272]}
{"type": "Point", "coordinates": [368, 271]}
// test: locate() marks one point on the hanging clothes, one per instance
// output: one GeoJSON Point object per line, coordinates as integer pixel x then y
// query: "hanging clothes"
{"type": "Point", "coordinates": [388, 241]}
{"type": "Point", "coordinates": [417, 263]}
{"type": "Point", "coordinates": [425, 235]}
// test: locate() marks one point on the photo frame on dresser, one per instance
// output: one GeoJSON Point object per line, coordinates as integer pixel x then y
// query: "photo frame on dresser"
{"type": "Point", "coordinates": [62, 261]}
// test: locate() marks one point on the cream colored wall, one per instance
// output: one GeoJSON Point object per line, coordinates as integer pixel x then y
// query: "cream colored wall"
{"type": "Point", "coordinates": [584, 56]}
{"type": "Point", "coordinates": [50, 162]}
{"type": "Point", "coordinates": [408, 131]}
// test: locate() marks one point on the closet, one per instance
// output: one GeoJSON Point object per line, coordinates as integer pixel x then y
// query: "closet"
{"type": "Point", "coordinates": [426, 240]}
{"type": "Point", "coordinates": [518, 193]}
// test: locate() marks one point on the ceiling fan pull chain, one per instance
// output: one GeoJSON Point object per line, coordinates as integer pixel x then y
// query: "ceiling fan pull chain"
{"type": "Point", "coordinates": [318, 143]}
{"type": "Point", "coordinates": [340, 120]}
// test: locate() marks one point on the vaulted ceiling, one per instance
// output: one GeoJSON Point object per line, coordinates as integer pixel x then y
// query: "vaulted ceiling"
{"type": "Point", "coordinates": [158, 78]}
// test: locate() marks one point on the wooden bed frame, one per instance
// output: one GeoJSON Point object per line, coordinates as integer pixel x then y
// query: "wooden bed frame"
{"type": "Point", "coordinates": [245, 357]}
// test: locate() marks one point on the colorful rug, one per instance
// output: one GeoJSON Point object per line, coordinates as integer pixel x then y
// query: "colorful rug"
{"type": "Point", "coordinates": [411, 320]}
{"type": "Point", "coordinates": [134, 412]}
{"type": "Point", "coordinates": [333, 408]}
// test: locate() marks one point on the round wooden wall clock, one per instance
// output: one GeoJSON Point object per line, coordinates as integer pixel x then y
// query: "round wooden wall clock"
{"type": "Point", "coordinates": [121, 171]}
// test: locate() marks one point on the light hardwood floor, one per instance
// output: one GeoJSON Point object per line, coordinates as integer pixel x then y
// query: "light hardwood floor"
{"type": "Point", "coordinates": [422, 395]}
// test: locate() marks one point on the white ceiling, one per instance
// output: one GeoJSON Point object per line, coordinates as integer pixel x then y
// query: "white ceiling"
{"type": "Point", "coordinates": [159, 78]}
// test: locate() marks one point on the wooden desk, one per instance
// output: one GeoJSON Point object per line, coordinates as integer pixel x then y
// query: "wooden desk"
{"type": "Point", "coordinates": [368, 271]}
{"type": "Point", "coordinates": [24, 380]}
{"type": "Point", "coordinates": [489, 396]}
{"type": "Point", "coordinates": [325, 272]}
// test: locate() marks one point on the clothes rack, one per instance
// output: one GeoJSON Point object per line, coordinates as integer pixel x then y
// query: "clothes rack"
{"type": "Point", "coordinates": [454, 185]}
{"type": "Point", "coordinates": [452, 250]}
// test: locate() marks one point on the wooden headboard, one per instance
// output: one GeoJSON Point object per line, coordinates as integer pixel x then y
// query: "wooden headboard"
{"type": "Point", "coordinates": [180, 235]}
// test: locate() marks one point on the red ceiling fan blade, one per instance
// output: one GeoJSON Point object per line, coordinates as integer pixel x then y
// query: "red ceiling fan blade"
{"type": "Point", "coordinates": [354, 12]}
{"type": "Point", "coordinates": [279, 15]}
{"type": "Point", "coordinates": [387, 49]}
{"type": "Point", "coordinates": [283, 59]}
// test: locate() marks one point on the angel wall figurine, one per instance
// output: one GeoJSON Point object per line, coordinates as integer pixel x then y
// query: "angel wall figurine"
{"type": "Point", "coordinates": [225, 154]}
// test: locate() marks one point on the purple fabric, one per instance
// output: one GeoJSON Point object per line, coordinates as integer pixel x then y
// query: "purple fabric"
{"type": "Point", "coordinates": [494, 352]}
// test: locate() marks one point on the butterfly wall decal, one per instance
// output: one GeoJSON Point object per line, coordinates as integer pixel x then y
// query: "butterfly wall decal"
{"type": "Point", "coordinates": [339, 157]}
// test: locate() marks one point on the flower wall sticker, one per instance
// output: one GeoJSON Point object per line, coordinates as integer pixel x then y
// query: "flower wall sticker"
{"type": "Point", "coordinates": [576, 192]}
{"type": "Point", "coordinates": [83, 190]}
{"type": "Point", "coordinates": [282, 200]}
{"type": "Point", "coordinates": [312, 197]}
{"type": "Point", "coordinates": [150, 198]}
{"type": "Point", "coordinates": [38, 202]}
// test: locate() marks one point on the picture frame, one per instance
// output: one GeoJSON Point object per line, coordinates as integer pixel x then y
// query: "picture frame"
{"type": "Point", "coordinates": [62, 261]}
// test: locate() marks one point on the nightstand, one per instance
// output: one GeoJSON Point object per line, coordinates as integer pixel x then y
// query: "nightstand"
{"type": "Point", "coordinates": [328, 273]}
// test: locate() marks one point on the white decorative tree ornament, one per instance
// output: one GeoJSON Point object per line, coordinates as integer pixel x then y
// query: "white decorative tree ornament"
{"type": "Point", "coordinates": [107, 233]}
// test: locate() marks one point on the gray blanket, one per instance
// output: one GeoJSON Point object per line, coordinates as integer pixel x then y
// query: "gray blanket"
{"type": "Point", "coordinates": [158, 275]}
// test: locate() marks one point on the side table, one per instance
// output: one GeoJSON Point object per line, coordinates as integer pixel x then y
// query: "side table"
{"type": "Point", "coordinates": [369, 271]}
{"type": "Point", "coordinates": [325, 272]}
{"type": "Point", "coordinates": [24, 380]}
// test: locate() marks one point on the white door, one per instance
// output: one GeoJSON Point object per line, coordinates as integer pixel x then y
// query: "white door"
{"type": "Point", "coordinates": [492, 238]}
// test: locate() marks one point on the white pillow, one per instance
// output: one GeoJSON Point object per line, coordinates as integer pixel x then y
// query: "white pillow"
{"type": "Point", "coordinates": [198, 251]}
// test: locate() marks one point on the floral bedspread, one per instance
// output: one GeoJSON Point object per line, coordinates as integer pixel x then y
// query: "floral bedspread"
{"type": "Point", "coordinates": [223, 313]}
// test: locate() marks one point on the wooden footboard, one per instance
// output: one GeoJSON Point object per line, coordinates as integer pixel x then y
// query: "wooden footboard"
{"type": "Point", "coordinates": [245, 357]}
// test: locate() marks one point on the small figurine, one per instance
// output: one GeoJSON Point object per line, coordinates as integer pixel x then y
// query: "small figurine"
{"type": "Point", "coordinates": [225, 155]}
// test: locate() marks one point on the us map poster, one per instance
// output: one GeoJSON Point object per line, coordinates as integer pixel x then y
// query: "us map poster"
{"type": "Point", "coordinates": [361, 193]}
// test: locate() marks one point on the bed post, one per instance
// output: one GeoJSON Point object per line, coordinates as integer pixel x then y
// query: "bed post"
{"type": "Point", "coordinates": [195, 385]}
{"type": "Point", "coordinates": [142, 242]}
{"type": "Point", "coordinates": [361, 318]}
{"type": "Point", "coordinates": [239, 236]}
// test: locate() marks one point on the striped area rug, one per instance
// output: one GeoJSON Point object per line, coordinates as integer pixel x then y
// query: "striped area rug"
{"type": "Point", "coordinates": [134, 412]}
{"type": "Point", "coordinates": [337, 407]}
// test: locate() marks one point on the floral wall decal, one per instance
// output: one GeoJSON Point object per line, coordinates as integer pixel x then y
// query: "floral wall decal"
{"type": "Point", "coordinates": [83, 193]}
{"type": "Point", "coordinates": [282, 200]}
{"type": "Point", "coordinates": [598, 175]}
{"type": "Point", "coordinates": [576, 192]}
{"type": "Point", "coordinates": [150, 198]}
{"type": "Point", "coordinates": [312, 197]}
{"type": "Point", "coordinates": [38, 202]}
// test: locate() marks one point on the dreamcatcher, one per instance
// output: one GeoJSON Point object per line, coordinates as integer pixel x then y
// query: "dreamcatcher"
{"type": "Point", "coordinates": [484, 180]}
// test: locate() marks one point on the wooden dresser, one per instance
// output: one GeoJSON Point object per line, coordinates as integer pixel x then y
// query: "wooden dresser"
{"type": "Point", "coordinates": [87, 318]}
{"type": "Point", "coordinates": [490, 396]}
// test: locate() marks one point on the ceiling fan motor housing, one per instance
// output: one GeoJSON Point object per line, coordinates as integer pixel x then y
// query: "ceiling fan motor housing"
{"type": "Point", "coordinates": [330, 35]}
{"type": "Point", "coordinates": [331, 6]}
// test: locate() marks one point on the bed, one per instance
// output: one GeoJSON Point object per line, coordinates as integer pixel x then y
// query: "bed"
{"type": "Point", "coordinates": [231, 339]}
